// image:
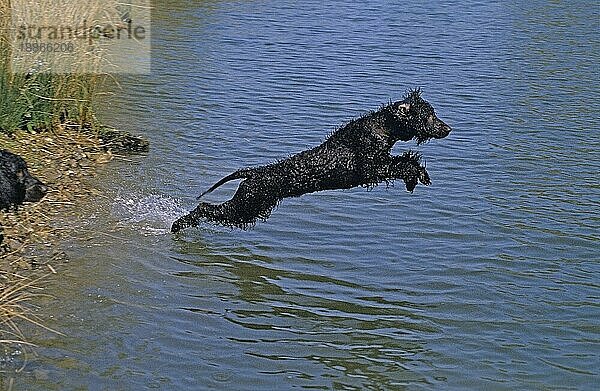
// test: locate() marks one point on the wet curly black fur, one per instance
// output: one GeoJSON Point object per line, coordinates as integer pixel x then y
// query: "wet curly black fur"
{"type": "Point", "coordinates": [357, 154]}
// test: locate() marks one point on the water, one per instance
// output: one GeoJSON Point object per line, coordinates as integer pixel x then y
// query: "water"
{"type": "Point", "coordinates": [488, 279]}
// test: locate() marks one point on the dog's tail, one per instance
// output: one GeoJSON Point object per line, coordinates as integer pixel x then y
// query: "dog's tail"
{"type": "Point", "coordinates": [239, 174]}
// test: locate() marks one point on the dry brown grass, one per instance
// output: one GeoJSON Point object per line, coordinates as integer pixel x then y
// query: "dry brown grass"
{"type": "Point", "coordinates": [68, 92]}
{"type": "Point", "coordinates": [17, 294]}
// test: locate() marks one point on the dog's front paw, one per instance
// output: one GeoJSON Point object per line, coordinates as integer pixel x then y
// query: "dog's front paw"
{"type": "Point", "coordinates": [414, 175]}
{"type": "Point", "coordinates": [424, 176]}
{"type": "Point", "coordinates": [411, 183]}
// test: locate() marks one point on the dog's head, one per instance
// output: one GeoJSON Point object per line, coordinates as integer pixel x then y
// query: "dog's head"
{"type": "Point", "coordinates": [29, 188]}
{"type": "Point", "coordinates": [414, 118]}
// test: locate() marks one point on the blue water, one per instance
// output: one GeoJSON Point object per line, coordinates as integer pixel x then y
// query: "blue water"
{"type": "Point", "coordinates": [487, 279]}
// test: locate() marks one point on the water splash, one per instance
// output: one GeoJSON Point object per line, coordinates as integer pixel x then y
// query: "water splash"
{"type": "Point", "coordinates": [153, 213]}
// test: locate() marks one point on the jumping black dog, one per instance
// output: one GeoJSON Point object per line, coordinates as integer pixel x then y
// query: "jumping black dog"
{"type": "Point", "coordinates": [357, 154]}
{"type": "Point", "coordinates": [16, 184]}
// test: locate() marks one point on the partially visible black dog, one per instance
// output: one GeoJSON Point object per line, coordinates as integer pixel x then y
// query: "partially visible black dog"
{"type": "Point", "coordinates": [357, 154]}
{"type": "Point", "coordinates": [16, 184]}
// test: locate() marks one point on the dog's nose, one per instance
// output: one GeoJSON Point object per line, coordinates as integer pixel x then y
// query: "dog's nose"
{"type": "Point", "coordinates": [36, 192]}
{"type": "Point", "coordinates": [442, 129]}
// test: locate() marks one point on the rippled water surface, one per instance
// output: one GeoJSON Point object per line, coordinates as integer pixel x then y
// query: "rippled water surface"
{"type": "Point", "coordinates": [487, 279]}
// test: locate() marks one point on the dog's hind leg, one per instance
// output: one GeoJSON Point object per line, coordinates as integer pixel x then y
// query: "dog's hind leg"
{"type": "Point", "coordinates": [191, 219]}
{"type": "Point", "coordinates": [250, 202]}
{"type": "Point", "coordinates": [254, 199]}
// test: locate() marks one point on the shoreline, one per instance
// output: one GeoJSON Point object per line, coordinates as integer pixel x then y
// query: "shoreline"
{"type": "Point", "coordinates": [65, 159]}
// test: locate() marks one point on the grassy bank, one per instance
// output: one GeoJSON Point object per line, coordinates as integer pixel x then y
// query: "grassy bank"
{"type": "Point", "coordinates": [65, 159]}
{"type": "Point", "coordinates": [48, 118]}
{"type": "Point", "coordinates": [33, 98]}
{"type": "Point", "coordinates": [42, 102]}
{"type": "Point", "coordinates": [32, 103]}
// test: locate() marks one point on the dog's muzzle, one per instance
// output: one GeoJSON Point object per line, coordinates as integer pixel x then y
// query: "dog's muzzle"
{"type": "Point", "coordinates": [441, 130]}
{"type": "Point", "coordinates": [35, 190]}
